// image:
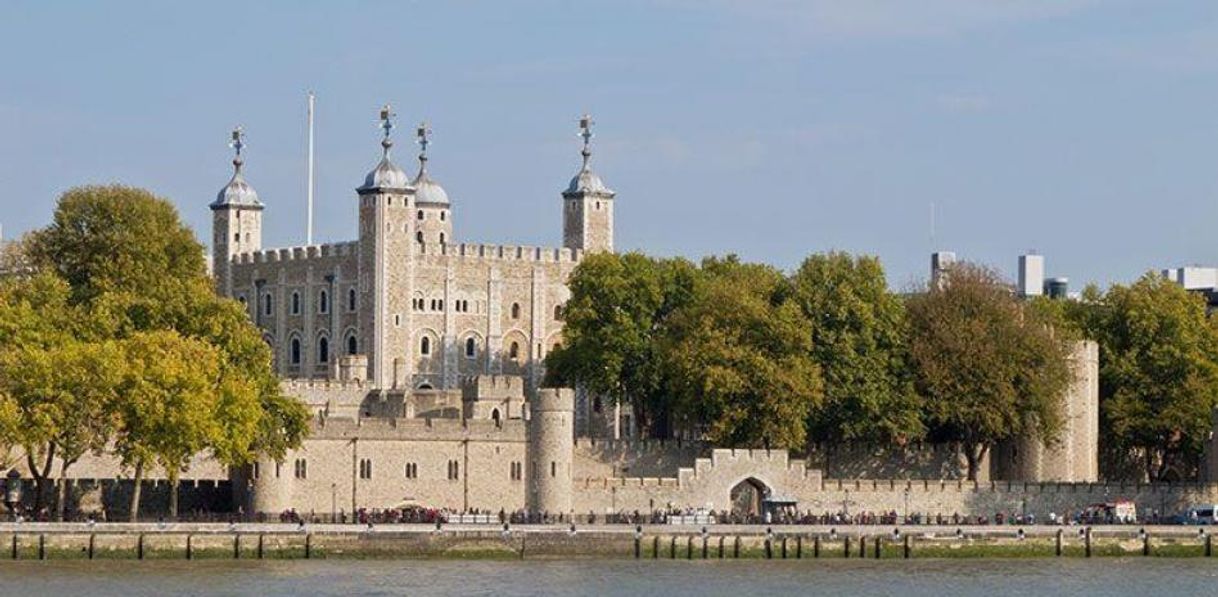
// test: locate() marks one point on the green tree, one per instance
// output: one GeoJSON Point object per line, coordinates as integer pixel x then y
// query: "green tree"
{"type": "Point", "coordinates": [1158, 373]}
{"type": "Point", "coordinates": [117, 239]}
{"type": "Point", "coordinates": [740, 358]}
{"type": "Point", "coordinates": [135, 268]}
{"type": "Point", "coordinates": [858, 339]}
{"type": "Point", "coordinates": [57, 385]}
{"type": "Point", "coordinates": [171, 391]}
{"type": "Point", "coordinates": [989, 367]}
{"type": "Point", "coordinates": [616, 315]}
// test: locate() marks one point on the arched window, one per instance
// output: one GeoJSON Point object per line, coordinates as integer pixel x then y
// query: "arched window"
{"type": "Point", "coordinates": [268, 304]}
{"type": "Point", "coordinates": [515, 310]}
{"type": "Point", "coordinates": [514, 351]}
{"type": "Point", "coordinates": [425, 346]}
{"type": "Point", "coordinates": [418, 236]}
{"type": "Point", "coordinates": [352, 346]}
{"type": "Point", "coordinates": [471, 347]}
{"type": "Point", "coordinates": [495, 415]}
{"type": "Point", "coordinates": [441, 238]}
{"type": "Point", "coordinates": [351, 299]}
{"type": "Point", "coordinates": [323, 302]}
{"type": "Point", "coordinates": [295, 356]}
{"type": "Point", "coordinates": [442, 214]}
{"type": "Point", "coordinates": [558, 313]}
{"type": "Point", "coordinates": [420, 214]}
{"type": "Point", "coordinates": [323, 350]}
{"type": "Point", "coordinates": [295, 303]}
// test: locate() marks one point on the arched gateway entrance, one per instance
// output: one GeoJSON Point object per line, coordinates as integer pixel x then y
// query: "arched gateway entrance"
{"type": "Point", "coordinates": [747, 497]}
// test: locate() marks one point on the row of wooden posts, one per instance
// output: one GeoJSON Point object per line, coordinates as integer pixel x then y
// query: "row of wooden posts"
{"type": "Point", "coordinates": [785, 549]}
{"type": "Point", "coordinates": [15, 551]}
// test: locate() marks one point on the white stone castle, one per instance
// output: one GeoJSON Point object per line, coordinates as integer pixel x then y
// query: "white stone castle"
{"type": "Point", "coordinates": [420, 357]}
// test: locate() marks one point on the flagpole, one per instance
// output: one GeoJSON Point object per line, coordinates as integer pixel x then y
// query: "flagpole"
{"type": "Point", "coordinates": [309, 208]}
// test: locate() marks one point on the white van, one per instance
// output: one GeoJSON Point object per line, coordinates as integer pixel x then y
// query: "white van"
{"type": "Point", "coordinates": [1202, 514]}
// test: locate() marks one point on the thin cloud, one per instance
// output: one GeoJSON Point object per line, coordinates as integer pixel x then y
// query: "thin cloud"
{"type": "Point", "coordinates": [963, 103]}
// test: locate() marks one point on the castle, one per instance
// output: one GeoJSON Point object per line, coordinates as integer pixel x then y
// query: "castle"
{"type": "Point", "coordinates": [420, 358]}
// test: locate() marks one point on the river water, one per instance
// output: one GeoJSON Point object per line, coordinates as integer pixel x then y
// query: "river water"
{"type": "Point", "coordinates": [992, 578]}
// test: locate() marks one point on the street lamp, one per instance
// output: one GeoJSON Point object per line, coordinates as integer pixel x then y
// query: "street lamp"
{"type": "Point", "coordinates": [12, 493]}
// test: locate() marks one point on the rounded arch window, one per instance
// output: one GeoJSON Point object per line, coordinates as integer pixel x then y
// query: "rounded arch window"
{"type": "Point", "coordinates": [420, 216]}
{"type": "Point", "coordinates": [425, 346]}
{"type": "Point", "coordinates": [558, 313]}
{"type": "Point", "coordinates": [323, 302]}
{"type": "Point", "coordinates": [515, 310]}
{"type": "Point", "coordinates": [514, 351]}
{"type": "Point", "coordinates": [443, 214]}
{"type": "Point", "coordinates": [323, 350]}
{"type": "Point", "coordinates": [351, 299]}
{"type": "Point", "coordinates": [471, 347]}
{"type": "Point", "coordinates": [441, 238]}
{"type": "Point", "coordinates": [418, 236]}
{"type": "Point", "coordinates": [295, 303]}
{"type": "Point", "coordinates": [352, 346]}
{"type": "Point", "coordinates": [295, 351]}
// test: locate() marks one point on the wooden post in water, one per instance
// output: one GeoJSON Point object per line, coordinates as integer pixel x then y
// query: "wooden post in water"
{"type": "Point", "coordinates": [846, 549]}
{"type": "Point", "coordinates": [189, 548]}
{"type": "Point", "coordinates": [689, 547]}
{"type": "Point", "coordinates": [1087, 542]}
{"type": "Point", "coordinates": [1145, 543]}
{"type": "Point", "coordinates": [799, 547]}
{"type": "Point", "coordinates": [139, 547]}
{"type": "Point", "coordinates": [638, 547]}
{"type": "Point", "coordinates": [237, 546]}
{"type": "Point", "coordinates": [1057, 549]}
{"type": "Point", "coordinates": [14, 546]}
{"type": "Point", "coordinates": [862, 548]}
{"type": "Point", "coordinates": [816, 547]}
{"type": "Point", "coordinates": [655, 548]}
{"type": "Point", "coordinates": [907, 547]}
{"type": "Point", "coordinates": [261, 540]}
{"type": "Point", "coordinates": [720, 547]}
{"type": "Point", "coordinates": [42, 546]}
{"type": "Point", "coordinates": [769, 548]}
{"type": "Point", "coordinates": [1209, 545]}
{"type": "Point", "coordinates": [672, 548]}
{"type": "Point", "coordinates": [704, 546]}
{"type": "Point", "coordinates": [784, 547]}
{"type": "Point", "coordinates": [309, 546]}
{"type": "Point", "coordinates": [92, 538]}
{"type": "Point", "coordinates": [878, 539]}
{"type": "Point", "coordinates": [736, 547]}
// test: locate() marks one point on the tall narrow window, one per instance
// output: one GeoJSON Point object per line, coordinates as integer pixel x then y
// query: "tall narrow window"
{"type": "Point", "coordinates": [323, 302]}
{"type": "Point", "coordinates": [420, 216]}
{"type": "Point", "coordinates": [515, 310]}
{"type": "Point", "coordinates": [295, 303]}
{"type": "Point", "coordinates": [557, 312]}
{"type": "Point", "coordinates": [351, 299]}
{"type": "Point", "coordinates": [425, 346]}
{"type": "Point", "coordinates": [441, 238]}
{"type": "Point", "coordinates": [471, 347]}
{"type": "Point", "coordinates": [323, 350]}
{"type": "Point", "coordinates": [268, 304]}
{"type": "Point", "coordinates": [418, 236]}
{"type": "Point", "coordinates": [514, 351]}
{"type": "Point", "coordinates": [352, 347]}
{"type": "Point", "coordinates": [295, 351]}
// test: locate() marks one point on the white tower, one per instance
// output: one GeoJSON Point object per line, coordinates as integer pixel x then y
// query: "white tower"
{"type": "Point", "coordinates": [587, 204]}
{"type": "Point", "coordinates": [236, 220]}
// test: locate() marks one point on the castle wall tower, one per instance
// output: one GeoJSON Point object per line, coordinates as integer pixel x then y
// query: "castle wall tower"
{"type": "Point", "coordinates": [433, 213]}
{"type": "Point", "coordinates": [551, 440]}
{"type": "Point", "coordinates": [386, 249]}
{"type": "Point", "coordinates": [587, 204]}
{"type": "Point", "coordinates": [236, 220]}
{"type": "Point", "coordinates": [1074, 455]}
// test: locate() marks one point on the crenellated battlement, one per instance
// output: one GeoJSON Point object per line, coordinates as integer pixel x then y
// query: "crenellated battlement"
{"type": "Point", "coordinates": [492, 252]}
{"type": "Point", "coordinates": [298, 253]}
{"type": "Point", "coordinates": [297, 385]}
{"type": "Point", "coordinates": [418, 429]}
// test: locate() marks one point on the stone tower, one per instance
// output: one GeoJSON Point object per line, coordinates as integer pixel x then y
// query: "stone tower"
{"type": "Point", "coordinates": [551, 439]}
{"type": "Point", "coordinates": [236, 220]}
{"type": "Point", "coordinates": [587, 213]}
{"type": "Point", "coordinates": [386, 248]}
{"type": "Point", "coordinates": [433, 217]}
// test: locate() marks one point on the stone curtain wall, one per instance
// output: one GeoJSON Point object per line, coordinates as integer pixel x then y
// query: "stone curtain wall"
{"type": "Point", "coordinates": [915, 461]}
{"type": "Point", "coordinates": [596, 458]}
{"type": "Point", "coordinates": [110, 499]}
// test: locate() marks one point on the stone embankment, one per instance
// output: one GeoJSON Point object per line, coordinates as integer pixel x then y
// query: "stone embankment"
{"type": "Point", "coordinates": [279, 541]}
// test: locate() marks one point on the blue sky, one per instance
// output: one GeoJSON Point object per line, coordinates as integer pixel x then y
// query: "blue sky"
{"type": "Point", "coordinates": [1084, 130]}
